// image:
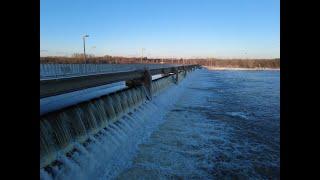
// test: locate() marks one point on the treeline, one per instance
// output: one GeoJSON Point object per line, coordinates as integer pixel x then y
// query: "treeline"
{"type": "Point", "coordinates": [229, 63]}
{"type": "Point", "coordinates": [241, 63]}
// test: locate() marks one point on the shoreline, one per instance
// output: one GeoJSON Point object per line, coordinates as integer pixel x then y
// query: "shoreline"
{"type": "Point", "coordinates": [241, 69]}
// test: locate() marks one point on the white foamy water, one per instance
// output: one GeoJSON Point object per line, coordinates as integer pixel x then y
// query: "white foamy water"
{"type": "Point", "coordinates": [213, 125]}
{"type": "Point", "coordinates": [213, 132]}
{"type": "Point", "coordinates": [112, 149]}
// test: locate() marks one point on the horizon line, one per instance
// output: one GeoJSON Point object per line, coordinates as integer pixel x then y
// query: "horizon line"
{"type": "Point", "coordinates": [177, 58]}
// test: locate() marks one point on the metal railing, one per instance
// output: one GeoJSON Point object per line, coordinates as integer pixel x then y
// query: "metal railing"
{"type": "Point", "coordinates": [56, 86]}
{"type": "Point", "coordinates": [48, 71]}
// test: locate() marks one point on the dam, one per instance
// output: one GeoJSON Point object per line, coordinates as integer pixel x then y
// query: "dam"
{"type": "Point", "coordinates": [191, 124]}
{"type": "Point", "coordinates": [114, 117]}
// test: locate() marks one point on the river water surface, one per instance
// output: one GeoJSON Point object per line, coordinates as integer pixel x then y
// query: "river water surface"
{"type": "Point", "coordinates": [226, 125]}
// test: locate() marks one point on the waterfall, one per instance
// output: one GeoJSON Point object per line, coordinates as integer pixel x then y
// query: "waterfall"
{"type": "Point", "coordinates": [93, 137]}
{"type": "Point", "coordinates": [108, 107]}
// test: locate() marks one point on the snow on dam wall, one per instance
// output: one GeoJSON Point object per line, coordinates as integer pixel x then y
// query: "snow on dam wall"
{"type": "Point", "coordinates": [111, 122]}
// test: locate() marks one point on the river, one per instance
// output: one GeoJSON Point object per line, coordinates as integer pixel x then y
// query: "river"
{"type": "Point", "coordinates": [226, 124]}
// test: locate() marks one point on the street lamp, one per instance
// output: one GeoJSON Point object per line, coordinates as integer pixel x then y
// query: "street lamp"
{"type": "Point", "coordinates": [142, 53]}
{"type": "Point", "coordinates": [84, 47]}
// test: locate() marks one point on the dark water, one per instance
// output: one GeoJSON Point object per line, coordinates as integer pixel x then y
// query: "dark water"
{"type": "Point", "coordinates": [225, 126]}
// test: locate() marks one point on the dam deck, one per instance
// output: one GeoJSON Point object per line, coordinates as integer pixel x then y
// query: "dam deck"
{"type": "Point", "coordinates": [66, 84]}
{"type": "Point", "coordinates": [56, 71]}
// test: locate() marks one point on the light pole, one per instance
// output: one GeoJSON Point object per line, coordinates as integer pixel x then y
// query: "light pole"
{"type": "Point", "coordinates": [84, 47]}
{"type": "Point", "coordinates": [142, 54]}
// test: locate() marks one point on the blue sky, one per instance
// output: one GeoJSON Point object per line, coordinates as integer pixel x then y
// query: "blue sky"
{"type": "Point", "coordinates": [165, 28]}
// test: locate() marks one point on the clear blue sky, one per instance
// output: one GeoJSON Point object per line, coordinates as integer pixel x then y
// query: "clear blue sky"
{"type": "Point", "coordinates": [165, 28]}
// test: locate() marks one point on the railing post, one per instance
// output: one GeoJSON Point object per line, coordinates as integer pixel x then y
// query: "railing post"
{"type": "Point", "coordinates": [176, 71]}
{"type": "Point", "coordinates": [145, 81]}
{"type": "Point", "coordinates": [184, 71]}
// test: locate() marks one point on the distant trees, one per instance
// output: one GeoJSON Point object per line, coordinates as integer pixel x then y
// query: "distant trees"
{"type": "Point", "coordinates": [81, 55]}
{"type": "Point", "coordinates": [240, 63]}
{"type": "Point", "coordinates": [107, 59]}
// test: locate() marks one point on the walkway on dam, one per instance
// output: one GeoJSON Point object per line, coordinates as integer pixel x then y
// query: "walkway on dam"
{"type": "Point", "coordinates": [224, 125]}
{"type": "Point", "coordinates": [56, 71]}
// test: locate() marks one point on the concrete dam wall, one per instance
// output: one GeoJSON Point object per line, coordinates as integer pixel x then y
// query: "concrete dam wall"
{"type": "Point", "coordinates": [112, 122]}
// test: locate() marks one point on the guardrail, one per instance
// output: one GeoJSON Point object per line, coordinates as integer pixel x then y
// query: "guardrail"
{"type": "Point", "coordinates": [52, 87]}
{"type": "Point", "coordinates": [48, 71]}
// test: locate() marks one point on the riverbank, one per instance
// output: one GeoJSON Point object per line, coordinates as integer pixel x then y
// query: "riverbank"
{"type": "Point", "coordinates": [241, 69]}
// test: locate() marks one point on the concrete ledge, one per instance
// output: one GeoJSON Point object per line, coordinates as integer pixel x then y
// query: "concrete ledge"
{"type": "Point", "coordinates": [52, 87]}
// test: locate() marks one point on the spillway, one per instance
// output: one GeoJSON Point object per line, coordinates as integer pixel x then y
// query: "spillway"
{"type": "Point", "coordinates": [95, 138]}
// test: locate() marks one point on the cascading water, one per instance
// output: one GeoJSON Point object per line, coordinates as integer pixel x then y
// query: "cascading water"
{"type": "Point", "coordinates": [97, 138]}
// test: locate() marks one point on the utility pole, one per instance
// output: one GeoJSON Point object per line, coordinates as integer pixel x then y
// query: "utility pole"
{"type": "Point", "coordinates": [84, 47]}
{"type": "Point", "coordinates": [142, 54]}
